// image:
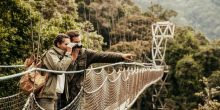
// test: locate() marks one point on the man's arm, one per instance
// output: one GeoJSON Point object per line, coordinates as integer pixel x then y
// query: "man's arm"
{"type": "Point", "coordinates": [106, 57]}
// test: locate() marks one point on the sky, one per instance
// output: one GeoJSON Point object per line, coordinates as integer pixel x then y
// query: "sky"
{"type": "Point", "coordinates": [203, 15]}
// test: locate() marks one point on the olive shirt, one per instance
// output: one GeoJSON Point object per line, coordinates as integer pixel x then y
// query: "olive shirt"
{"type": "Point", "coordinates": [55, 59]}
{"type": "Point", "coordinates": [85, 58]}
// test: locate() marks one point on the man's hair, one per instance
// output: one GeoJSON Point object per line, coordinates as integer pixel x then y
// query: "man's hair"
{"type": "Point", "coordinates": [72, 33]}
{"type": "Point", "coordinates": [59, 38]}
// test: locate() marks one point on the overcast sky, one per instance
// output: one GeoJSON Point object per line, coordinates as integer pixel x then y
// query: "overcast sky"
{"type": "Point", "coordinates": [204, 15]}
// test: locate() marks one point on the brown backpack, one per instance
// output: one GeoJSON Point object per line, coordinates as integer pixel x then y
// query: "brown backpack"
{"type": "Point", "coordinates": [35, 80]}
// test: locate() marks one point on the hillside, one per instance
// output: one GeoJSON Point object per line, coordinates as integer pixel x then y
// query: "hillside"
{"type": "Point", "coordinates": [200, 14]}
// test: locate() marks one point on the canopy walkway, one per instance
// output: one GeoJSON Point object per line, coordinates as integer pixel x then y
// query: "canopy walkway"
{"type": "Point", "coordinates": [113, 86]}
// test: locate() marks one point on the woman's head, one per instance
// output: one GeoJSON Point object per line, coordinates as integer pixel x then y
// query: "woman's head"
{"type": "Point", "coordinates": [61, 41]}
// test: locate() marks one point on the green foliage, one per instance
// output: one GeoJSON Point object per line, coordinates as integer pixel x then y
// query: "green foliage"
{"type": "Point", "coordinates": [209, 58]}
{"type": "Point", "coordinates": [24, 22]}
{"type": "Point", "coordinates": [213, 79]}
{"type": "Point", "coordinates": [127, 29]}
{"type": "Point", "coordinates": [190, 55]}
{"type": "Point", "coordinates": [188, 73]}
{"type": "Point", "coordinates": [139, 48]}
{"type": "Point", "coordinates": [50, 8]}
{"type": "Point", "coordinates": [131, 28]}
{"type": "Point", "coordinates": [211, 105]}
{"type": "Point", "coordinates": [104, 14]}
{"type": "Point", "coordinates": [16, 18]}
{"type": "Point", "coordinates": [92, 40]}
{"type": "Point", "coordinates": [202, 39]}
{"type": "Point", "coordinates": [158, 12]}
{"type": "Point", "coordinates": [184, 43]}
{"type": "Point", "coordinates": [25, 25]}
{"type": "Point", "coordinates": [185, 58]}
{"type": "Point", "coordinates": [209, 93]}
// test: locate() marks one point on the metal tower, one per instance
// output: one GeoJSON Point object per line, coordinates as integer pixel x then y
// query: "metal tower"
{"type": "Point", "coordinates": [161, 32]}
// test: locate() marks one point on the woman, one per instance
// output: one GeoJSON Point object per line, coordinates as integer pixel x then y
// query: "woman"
{"type": "Point", "coordinates": [57, 58]}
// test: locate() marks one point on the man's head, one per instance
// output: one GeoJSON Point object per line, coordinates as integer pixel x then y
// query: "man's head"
{"type": "Point", "coordinates": [74, 36]}
{"type": "Point", "coordinates": [61, 41]}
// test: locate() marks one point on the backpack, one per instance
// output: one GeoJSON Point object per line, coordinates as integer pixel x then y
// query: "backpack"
{"type": "Point", "coordinates": [35, 80]}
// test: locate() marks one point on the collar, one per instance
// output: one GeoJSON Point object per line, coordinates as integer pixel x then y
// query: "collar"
{"type": "Point", "coordinates": [58, 50]}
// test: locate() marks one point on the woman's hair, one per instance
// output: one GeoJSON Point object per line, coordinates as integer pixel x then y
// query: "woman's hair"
{"type": "Point", "coordinates": [59, 38]}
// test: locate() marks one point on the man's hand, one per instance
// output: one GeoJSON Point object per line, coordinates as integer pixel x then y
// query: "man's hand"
{"type": "Point", "coordinates": [75, 54]}
{"type": "Point", "coordinates": [128, 57]}
{"type": "Point", "coordinates": [69, 48]}
{"type": "Point", "coordinates": [71, 45]}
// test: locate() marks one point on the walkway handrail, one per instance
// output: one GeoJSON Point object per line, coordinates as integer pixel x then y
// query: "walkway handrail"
{"type": "Point", "coordinates": [74, 72]}
{"type": "Point", "coordinates": [16, 75]}
{"type": "Point", "coordinates": [11, 66]}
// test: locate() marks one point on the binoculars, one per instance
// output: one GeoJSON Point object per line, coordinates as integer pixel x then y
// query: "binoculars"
{"type": "Point", "coordinates": [76, 45]}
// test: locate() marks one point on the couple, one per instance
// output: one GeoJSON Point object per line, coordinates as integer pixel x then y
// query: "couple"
{"type": "Point", "coordinates": [65, 55]}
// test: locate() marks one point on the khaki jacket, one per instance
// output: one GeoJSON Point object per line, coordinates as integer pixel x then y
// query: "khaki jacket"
{"type": "Point", "coordinates": [85, 58]}
{"type": "Point", "coordinates": [55, 59]}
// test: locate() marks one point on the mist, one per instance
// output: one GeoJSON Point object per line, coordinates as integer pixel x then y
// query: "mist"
{"type": "Point", "coordinates": [203, 15]}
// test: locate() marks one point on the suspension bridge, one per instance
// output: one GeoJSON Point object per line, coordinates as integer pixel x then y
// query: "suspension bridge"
{"type": "Point", "coordinates": [108, 87]}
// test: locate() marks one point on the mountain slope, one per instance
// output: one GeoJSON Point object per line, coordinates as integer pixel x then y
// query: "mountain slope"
{"type": "Point", "coordinates": [200, 14]}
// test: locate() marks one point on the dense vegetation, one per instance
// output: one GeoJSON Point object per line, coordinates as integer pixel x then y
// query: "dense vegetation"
{"type": "Point", "coordinates": [194, 61]}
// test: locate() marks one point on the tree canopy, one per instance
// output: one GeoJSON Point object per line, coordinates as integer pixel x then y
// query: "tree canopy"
{"type": "Point", "coordinates": [113, 25]}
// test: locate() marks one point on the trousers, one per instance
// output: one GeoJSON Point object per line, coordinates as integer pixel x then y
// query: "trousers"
{"type": "Point", "coordinates": [47, 103]}
{"type": "Point", "coordinates": [50, 104]}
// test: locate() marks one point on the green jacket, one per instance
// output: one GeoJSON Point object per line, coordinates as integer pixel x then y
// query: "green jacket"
{"type": "Point", "coordinates": [85, 58]}
{"type": "Point", "coordinates": [55, 59]}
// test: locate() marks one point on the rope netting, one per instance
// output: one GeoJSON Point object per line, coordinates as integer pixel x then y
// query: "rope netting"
{"type": "Point", "coordinates": [118, 89]}
{"type": "Point", "coordinates": [114, 86]}
{"type": "Point", "coordinates": [13, 102]}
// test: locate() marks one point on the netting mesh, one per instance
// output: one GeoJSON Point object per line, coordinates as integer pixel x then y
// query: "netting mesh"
{"type": "Point", "coordinates": [107, 89]}
{"type": "Point", "coordinates": [76, 103]}
{"type": "Point", "coordinates": [116, 90]}
{"type": "Point", "coordinates": [14, 102]}
{"type": "Point", "coordinates": [31, 103]}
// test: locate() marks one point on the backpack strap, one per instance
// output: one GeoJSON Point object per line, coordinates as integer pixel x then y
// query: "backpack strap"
{"type": "Point", "coordinates": [58, 53]}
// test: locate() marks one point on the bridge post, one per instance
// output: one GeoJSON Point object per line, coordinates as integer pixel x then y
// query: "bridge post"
{"type": "Point", "coordinates": [161, 32]}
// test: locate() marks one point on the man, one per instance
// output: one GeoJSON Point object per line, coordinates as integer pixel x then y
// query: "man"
{"type": "Point", "coordinates": [57, 58]}
{"type": "Point", "coordinates": [85, 57]}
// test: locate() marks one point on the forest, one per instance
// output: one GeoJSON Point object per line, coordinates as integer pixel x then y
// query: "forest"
{"type": "Point", "coordinates": [29, 27]}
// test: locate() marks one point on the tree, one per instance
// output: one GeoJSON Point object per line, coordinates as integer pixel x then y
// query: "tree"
{"type": "Point", "coordinates": [131, 28]}
{"type": "Point", "coordinates": [185, 71]}
{"type": "Point", "coordinates": [209, 93]}
{"type": "Point", "coordinates": [185, 42]}
{"type": "Point", "coordinates": [104, 14]}
{"type": "Point", "coordinates": [15, 21]}
{"type": "Point", "coordinates": [141, 49]}
{"type": "Point", "coordinates": [188, 73]}
{"type": "Point", "coordinates": [213, 79]}
{"type": "Point", "coordinates": [208, 57]}
{"type": "Point", "coordinates": [158, 12]}
{"type": "Point", "coordinates": [23, 23]}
